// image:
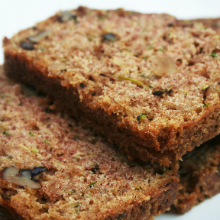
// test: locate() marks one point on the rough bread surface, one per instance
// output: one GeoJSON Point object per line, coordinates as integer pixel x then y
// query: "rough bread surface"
{"type": "Point", "coordinates": [147, 83]}
{"type": "Point", "coordinates": [199, 176]}
{"type": "Point", "coordinates": [213, 23]}
{"type": "Point", "coordinates": [82, 175]}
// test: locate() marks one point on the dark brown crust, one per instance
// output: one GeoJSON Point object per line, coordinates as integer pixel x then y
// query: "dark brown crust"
{"type": "Point", "coordinates": [155, 206]}
{"type": "Point", "coordinates": [208, 185]}
{"type": "Point", "coordinates": [170, 145]}
{"type": "Point", "coordinates": [7, 212]}
{"type": "Point", "coordinates": [199, 176]}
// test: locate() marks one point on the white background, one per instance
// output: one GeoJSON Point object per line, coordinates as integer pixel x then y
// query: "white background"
{"type": "Point", "coordinates": [20, 14]}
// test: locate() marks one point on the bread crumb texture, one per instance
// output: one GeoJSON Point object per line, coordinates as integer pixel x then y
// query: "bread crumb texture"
{"type": "Point", "coordinates": [77, 174]}
{"type": "Point", "coordinates": [129, 64]}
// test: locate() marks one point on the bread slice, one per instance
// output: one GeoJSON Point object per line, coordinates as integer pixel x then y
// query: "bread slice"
{"type": "Point", "coordinates": [199, 176]}
{"type": "Point", "coordinates": [147, 83]}
{"type": "Point", "coordinates": [52, 168]}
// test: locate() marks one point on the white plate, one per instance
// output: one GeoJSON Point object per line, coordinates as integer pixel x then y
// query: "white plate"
{"type": "Point", "coordinates": [20, 14]}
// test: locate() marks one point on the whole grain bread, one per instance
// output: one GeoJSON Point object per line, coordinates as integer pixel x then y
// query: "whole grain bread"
{"type": "Point", "coordinates": [52, 168]}
{"type": "Point", "coordinates": [147, 83]}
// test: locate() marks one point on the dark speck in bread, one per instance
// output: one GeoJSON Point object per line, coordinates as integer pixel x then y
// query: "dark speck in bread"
{"type": "Point", "coordinates": [158, 93]}
{"type": "Point", "coordinates": [66, 16]}
{"type": "Point", "coordinates": [109, 37]}
{"type": "Point", "coordinates": [37, 170]}
{"type": "Point", "coordinates": [27, 45]}
{"type": "Point", "coordinates": [178, 62]}
{"type": "Point", "coordinates": [168, 92]}
{"type": "Point", "coordinates": [95, 169]}
{"type": "Point", "coordinates": [82, 85]}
